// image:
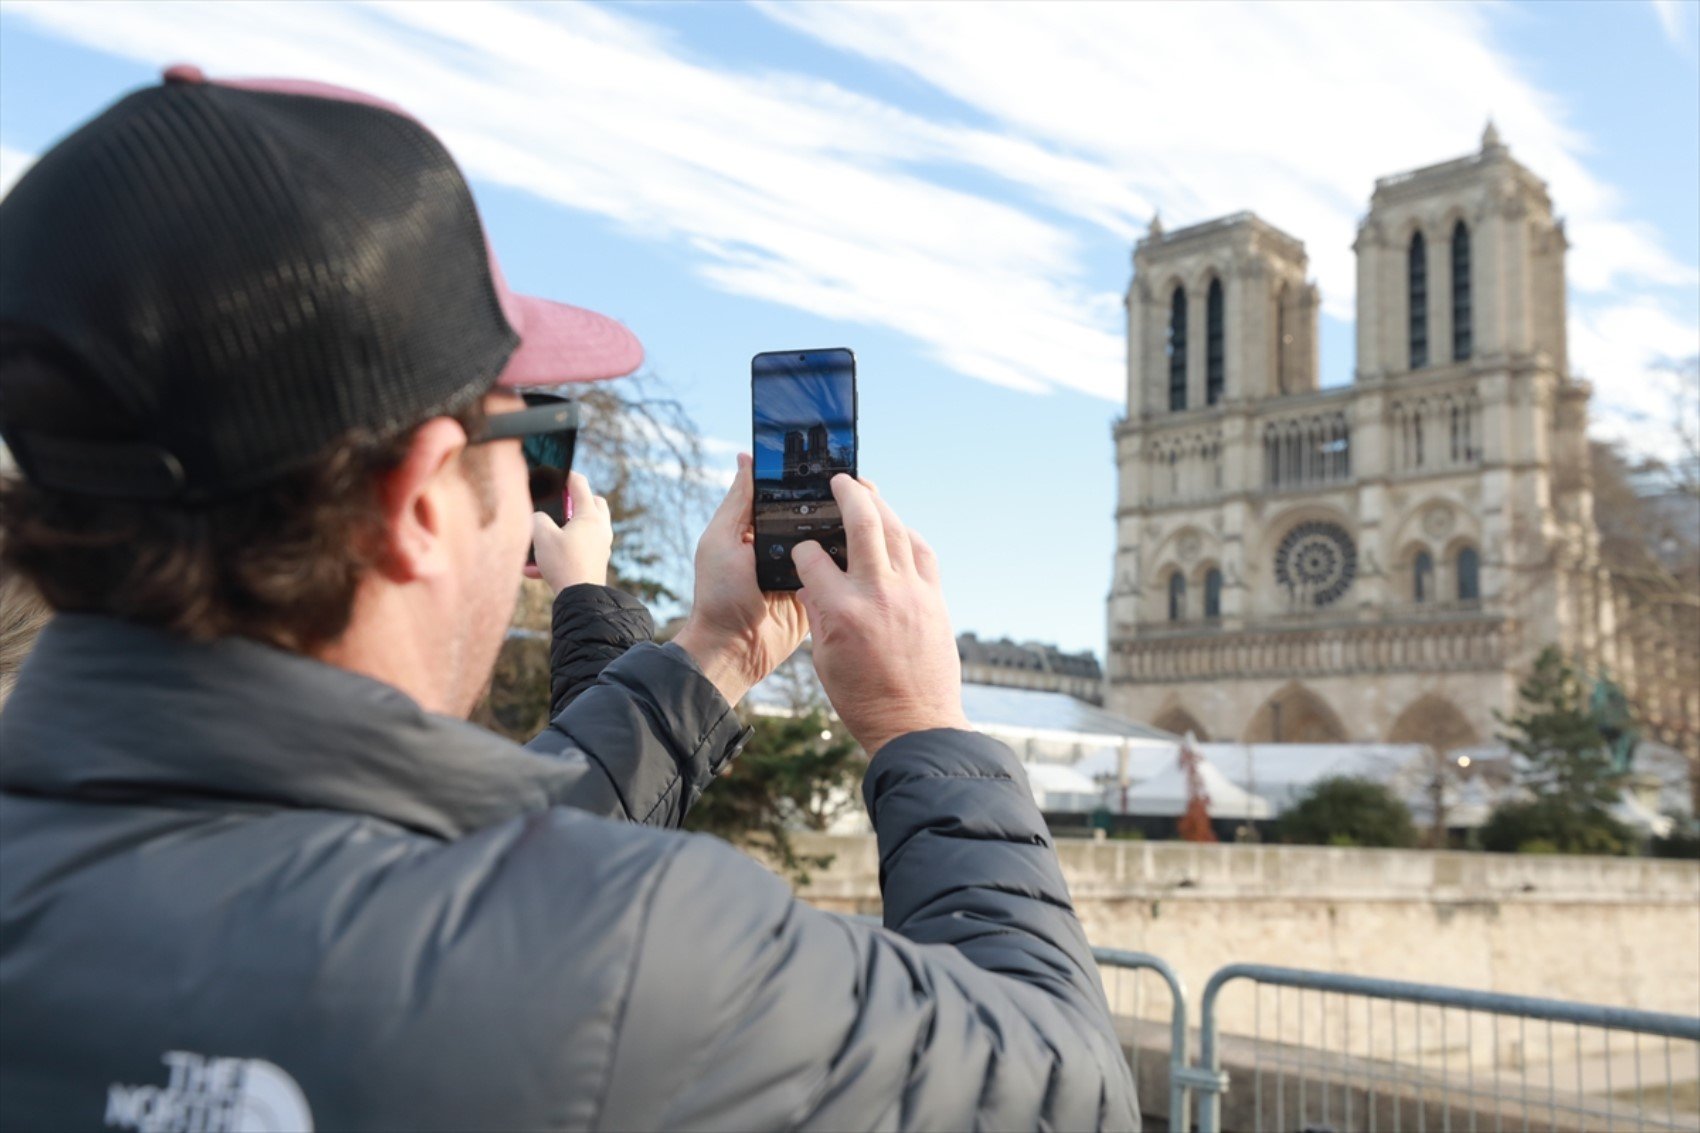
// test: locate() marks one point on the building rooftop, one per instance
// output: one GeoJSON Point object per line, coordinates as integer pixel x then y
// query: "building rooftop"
{"type": "Point", "coordinates": [1157, 234]}
{"type": "Point", "coordinates": [1032, 656]}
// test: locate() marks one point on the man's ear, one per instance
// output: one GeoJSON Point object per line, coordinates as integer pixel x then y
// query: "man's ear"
{"type": "Point", "coordinates": [417, 497]}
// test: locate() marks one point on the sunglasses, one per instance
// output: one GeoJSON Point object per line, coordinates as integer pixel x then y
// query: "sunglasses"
{"type": "Point", "coordinates": [547, 429]}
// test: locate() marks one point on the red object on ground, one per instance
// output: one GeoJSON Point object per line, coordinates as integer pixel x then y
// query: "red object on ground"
{"type": "Point", "coordinates": [1195, 823]}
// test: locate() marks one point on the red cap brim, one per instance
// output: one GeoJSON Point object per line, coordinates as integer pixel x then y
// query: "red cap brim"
{"type": "Point", "coordinates": [559, 343]}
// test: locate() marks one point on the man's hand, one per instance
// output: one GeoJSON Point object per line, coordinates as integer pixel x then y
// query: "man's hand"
{"type": "Point", "coordinates": [883, 646]}
{"type": "Point", "coordinates": [736, 632]}
{"type": "Point", "coordinates": [577, 551]}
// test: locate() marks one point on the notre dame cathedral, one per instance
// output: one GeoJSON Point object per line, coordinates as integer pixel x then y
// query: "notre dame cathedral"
{"type": "Point", "coordinates": [1377, 561]}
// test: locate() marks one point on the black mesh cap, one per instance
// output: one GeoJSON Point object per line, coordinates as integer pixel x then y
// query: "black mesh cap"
{"type": "Point", "coordinates": [246, 275]}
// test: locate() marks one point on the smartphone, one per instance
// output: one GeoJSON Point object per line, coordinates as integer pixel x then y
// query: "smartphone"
{"type": "Point", "coordinates": [805, 434]}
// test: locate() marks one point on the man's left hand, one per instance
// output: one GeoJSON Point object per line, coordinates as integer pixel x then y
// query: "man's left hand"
{"type": "Point", "coordinates": [736, 632]}
{"type": "Point", "coordinates": [579, 550]}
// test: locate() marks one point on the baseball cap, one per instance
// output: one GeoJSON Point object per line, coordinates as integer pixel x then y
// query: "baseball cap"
{"type": "Point", "coordinates": [245, 270]}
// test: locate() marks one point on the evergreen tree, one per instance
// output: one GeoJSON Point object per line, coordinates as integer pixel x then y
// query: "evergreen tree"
{"type": "Point", "coordinates": [799, 771]}
{"type": "Point", "coordinates": [1567, 768]}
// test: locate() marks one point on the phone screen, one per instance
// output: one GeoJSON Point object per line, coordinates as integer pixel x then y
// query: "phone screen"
{"type": "Point", "coordinates": [805, 434]}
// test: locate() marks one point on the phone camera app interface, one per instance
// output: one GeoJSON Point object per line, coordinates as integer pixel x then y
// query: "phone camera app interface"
{"type": "Point", "coordinates": [805, 434]}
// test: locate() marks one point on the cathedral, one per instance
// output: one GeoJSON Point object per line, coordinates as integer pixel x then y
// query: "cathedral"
{"type": "Point", "coordinates": [1379, 561]}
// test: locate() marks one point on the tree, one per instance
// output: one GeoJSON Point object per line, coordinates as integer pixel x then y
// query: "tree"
{"type": "Point", "coordinates": [641, 449]}
{"type": "Point", "coordinates": [1346, 811]}
{"type": "Point", "coordinates": [796, 771]}
{"type": "Point", "coordinates": [1648, 515]}
{"type": "Point", "coordinates": [1566, 768]}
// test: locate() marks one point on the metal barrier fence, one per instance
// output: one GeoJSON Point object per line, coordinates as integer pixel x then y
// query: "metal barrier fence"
{"type": "Point", "coordinates": [1319, 1051]}
{"type": "Point", "coordinates": [1182, 1076]}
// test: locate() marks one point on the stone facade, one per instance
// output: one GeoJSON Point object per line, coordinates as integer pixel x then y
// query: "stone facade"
{"type": "Point", "coordinates": [1378, 561]}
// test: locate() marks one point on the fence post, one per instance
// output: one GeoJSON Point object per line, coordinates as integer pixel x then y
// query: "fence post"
{"type": "Point", "coordinates": [1180, 1084]}
{"type": "Point", "coordinates": [1209, 1057]}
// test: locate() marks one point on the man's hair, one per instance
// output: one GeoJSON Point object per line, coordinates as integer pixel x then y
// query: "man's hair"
{"type": "Point", "coordinates": [22, 616]}
{"type": "Point", "coordinates": [280, 564]}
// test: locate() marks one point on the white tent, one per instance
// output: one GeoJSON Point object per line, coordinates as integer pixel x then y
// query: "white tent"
{"type": "Point", "coordinates": [1057, 787]}
{"type": "Point", "coordinates": [1283, 773]}
{"type": "Point", "coordinates": [1165, 794]}
{"type": "Point", "coordinates": [1145, 759]}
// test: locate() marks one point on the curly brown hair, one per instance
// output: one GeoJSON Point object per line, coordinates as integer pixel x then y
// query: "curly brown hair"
{"type": "Point", "coordinates": [280, 564]}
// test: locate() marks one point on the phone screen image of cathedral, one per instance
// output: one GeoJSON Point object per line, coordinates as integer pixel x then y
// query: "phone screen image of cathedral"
{"type": "Point", "coordinates": [805, 434]}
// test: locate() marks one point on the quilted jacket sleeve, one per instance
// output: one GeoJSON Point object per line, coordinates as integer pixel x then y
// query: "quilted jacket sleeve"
{"type": "Point", "coordinates": [644, 729]}
{"type": "Point", "coordinates": [592, 626]}
{"type": "Point", "coordinates": [978, 1006]}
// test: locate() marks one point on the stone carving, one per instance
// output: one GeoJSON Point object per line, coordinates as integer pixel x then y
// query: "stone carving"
{"type": "Point", "coordinates": [1437, 521]}
{"type": "Point", "coordinates": [1189, 545]}
{"type": "Point", "coordinates": [1316, 563]}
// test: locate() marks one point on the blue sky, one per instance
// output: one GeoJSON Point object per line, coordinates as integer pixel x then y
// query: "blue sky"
{"type": "Point", "coordinates": [953, 191]}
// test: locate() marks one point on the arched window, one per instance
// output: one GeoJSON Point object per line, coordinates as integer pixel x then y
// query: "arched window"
{"type": "Point", "coordinates": [1461, 338]}
{"type": "Point", "coordinates": [1281, 337]}
{"type": "Point", "coordinates": [1469, 570]}
{"type": "Point", "coordinates": [1215, 347]}
{"type": "Point", "coordinates": [1212, 593]}
{"type": "Point", "coordinates": [1177, 351]}
{"type": "Point", "coordinates": [1422, 577]}
{"type": "Point", "coordinates": [1417, 275]}
{"type": "Point", "coordinates": [1177, 596]}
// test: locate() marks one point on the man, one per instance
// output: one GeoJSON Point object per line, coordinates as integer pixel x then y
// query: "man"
{"type": "Point", "coordinates": [259, 372]}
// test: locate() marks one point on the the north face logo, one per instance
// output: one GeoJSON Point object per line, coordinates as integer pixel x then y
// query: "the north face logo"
{"type": "Point", "coordinates": [212, 1095]}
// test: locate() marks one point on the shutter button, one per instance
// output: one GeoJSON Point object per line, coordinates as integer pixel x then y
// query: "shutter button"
{"type": "Point", "coordinates": [185, 73]}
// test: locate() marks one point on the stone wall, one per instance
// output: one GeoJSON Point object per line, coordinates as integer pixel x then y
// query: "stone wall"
{"type": "Point", "coordinates": [1615, 931]}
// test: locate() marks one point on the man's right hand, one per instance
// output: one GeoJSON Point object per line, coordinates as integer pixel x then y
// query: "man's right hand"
{"type": "Point", "coordinates": [883, 645]}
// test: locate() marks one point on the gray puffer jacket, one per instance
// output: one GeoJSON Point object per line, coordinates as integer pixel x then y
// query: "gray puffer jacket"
{"type": "Point", "coordinates": [240, 889]}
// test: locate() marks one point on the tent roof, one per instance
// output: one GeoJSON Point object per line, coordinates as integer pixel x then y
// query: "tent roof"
{"type": "Point", "coordinates": [1165, 794]}
{"type": "Point", "coordinates": [1282, 772]}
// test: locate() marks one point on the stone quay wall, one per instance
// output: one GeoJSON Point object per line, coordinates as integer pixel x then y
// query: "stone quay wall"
{"type": "Point", "coordinates": [1617, 931]}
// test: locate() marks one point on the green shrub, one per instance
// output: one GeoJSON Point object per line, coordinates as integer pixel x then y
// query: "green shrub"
{"type": "Point", "coordinates": [1554, 826]}
{"type": "Point", "coordinates": [1344, 811]}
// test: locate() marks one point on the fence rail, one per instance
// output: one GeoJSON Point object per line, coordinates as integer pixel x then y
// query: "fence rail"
{"type": "Point", "coordinates": [1323, 1051]}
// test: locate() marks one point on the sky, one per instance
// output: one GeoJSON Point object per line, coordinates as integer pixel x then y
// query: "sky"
{"type": "Point", "coordinates": [954, 190]}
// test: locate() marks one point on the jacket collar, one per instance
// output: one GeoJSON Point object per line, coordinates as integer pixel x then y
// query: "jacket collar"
{"type": "Point", "coordinates": [106, 709]}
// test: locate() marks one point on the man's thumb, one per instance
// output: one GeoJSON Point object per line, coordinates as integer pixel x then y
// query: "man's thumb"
{"type": "Point", "coordinates": [814, 566]}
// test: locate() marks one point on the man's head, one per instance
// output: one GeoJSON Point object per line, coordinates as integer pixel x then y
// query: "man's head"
{"type": "Point", "coordinates": [250, 334]}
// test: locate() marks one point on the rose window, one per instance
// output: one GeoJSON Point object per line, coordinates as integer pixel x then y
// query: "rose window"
{"type": "Point", "coordinates": [1316, 563]}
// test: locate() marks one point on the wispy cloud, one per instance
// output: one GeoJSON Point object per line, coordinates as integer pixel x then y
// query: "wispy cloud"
{"type": "Point", "coordinates": [1680, 21]}
{"type": "Point", "coordinates": [1207, 114]}
{"type": "Point", "coordinates": [12, 165]}
{"type": "Point", "coordinates": [1072, 122]}
{"type": "Point", "coordinates": [784, 187]}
